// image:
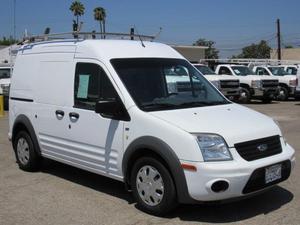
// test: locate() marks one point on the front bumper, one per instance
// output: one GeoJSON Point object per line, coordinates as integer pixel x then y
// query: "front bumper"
{"type": "Point", "coordinates": [297, 93]}
{"type": "Point", "coordinates": [265, 92]}
{"type": "Point", "coordinates": [292, 90]}
{"type": "Point", "coordinates": [237, 173]}
{"type": "Point", "coordinates": [230, 91]}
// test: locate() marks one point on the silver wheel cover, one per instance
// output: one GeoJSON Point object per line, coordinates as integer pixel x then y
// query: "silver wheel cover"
{"type": "Point", "coordinates": [23, 151]}
{"type": "Point", "coordinates": [150, 186]}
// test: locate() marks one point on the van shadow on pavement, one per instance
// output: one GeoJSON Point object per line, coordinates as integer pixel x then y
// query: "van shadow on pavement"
{"type": "Point", "coordinates": [87, 179]}
{"type": "Point", "coordinates": [264, 203]}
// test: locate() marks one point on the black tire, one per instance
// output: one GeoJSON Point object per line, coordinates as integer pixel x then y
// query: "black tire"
{"type": "Point", "coordinates": [267, 100]}
{"type": "Point", "coordinates": [169, 199]}
{"type": "Point", "coordinates": [245, 96]}
{"type": "Point", "coordinates": [284, 94]}
{"type": "Point", "coordinates": [33, 159]}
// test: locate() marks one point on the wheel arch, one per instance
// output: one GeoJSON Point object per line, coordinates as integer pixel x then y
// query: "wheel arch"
{"type": "Point", "coordinates": [156, 148]}
{"type": "Point", "coordinates": [22, 122]}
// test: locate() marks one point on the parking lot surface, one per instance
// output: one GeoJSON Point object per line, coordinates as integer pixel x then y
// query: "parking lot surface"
{"type": "Point", "coordinates": [60, 194]}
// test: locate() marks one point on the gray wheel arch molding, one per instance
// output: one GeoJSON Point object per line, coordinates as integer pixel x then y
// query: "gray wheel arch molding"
{"type": "Point", "coordinates": [159, 147]}
{"type": "Point", "coordinates": [23, 121]}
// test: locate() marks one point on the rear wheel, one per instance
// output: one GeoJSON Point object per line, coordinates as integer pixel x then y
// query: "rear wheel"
{"type": "Point", "coordinates": [26, 156]}
{"type": "Point", "coordinates": [153, 187]}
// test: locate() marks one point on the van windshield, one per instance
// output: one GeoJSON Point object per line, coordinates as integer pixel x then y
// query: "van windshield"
{"type": "Point", "coordinates": [166, 84]}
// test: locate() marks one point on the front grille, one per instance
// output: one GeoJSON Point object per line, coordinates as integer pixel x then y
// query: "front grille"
{"type": "Point", "coordinates": [257, 179]}
{"type": "Point", "coordinates": [259, 148]}
{"type": "Point", "coordinates": [270, 83]}
{"type": "Point", "coordinates": [230, 83]}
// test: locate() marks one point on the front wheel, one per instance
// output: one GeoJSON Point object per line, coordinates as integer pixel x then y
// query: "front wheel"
{"type": "Point", "coordinates": [153, 187]}
{"type": "Point", "coordinates": [283, 94]}
{"type": "Point", "coordinates": [245, 96]}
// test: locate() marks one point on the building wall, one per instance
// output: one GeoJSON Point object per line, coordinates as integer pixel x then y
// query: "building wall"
{"type": "Point", "coordinates": [191, 53]}
{"type": "Point", "coordinates": [287, 54]}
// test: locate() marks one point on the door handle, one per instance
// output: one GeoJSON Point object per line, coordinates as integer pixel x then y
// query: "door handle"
{"type": "Point", "coordinates": [73, 116]}
{"type": "Point", "coordinates": [59, 114]}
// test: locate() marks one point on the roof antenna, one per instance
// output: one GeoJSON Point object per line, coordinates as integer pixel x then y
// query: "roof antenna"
{"type": "Point", "coordinates": [158, 33]}
{"type": "Point", "coordinates": [139, 37]}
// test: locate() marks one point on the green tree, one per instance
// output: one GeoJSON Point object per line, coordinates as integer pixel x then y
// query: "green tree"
{"type": "Point", "coordinates": [211, 52]}
{"type": "Point", "coordinates": [7, 41]}
{"type": "Point", "coordinates": [256, 51]}
{"type": "Point", "coordinates": [288, 46]}
{"type": "Point", "coordinates": [100, 15]}
{"type": "Point", "coordinates": [77, 9]}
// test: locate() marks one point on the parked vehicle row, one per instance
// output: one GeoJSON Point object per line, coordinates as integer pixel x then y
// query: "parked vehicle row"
{"type": "Point", "coordinates": [5, 84]}
{"type": "Point", "coordinates": [140, 113]}
{"type": "Point", "coordinates": [239, 82]}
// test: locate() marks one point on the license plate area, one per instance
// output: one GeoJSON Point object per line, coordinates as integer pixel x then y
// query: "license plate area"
{"type": "Point", "coordinates": [273, 173]}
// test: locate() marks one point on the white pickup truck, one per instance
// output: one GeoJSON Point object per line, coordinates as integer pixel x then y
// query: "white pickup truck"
{"type": "Point", "coordinates": [297, 92]}
{"type": "Point", "coordinates": [5, 84]}
{"type": "Point", "coordinates": [252, 86]}
{"type": "Point", "coordinates": [229, 86]}
{"type": "Point", "coordinates": [290, 69]}
{"type": "Point", "coordinates": [287, 82]}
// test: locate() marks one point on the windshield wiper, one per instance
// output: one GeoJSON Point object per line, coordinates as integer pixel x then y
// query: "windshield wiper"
{"type": "Point", "coordinates": [159, 105]}
{"type": "Point", "coordinates": [199, 103]}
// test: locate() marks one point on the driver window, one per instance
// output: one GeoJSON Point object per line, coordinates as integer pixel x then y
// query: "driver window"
{"type": "Point", "coordinates": [91, 85]}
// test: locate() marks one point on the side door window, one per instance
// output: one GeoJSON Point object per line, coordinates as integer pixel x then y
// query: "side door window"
{"type": "Point", "coordinates": [224, 71]}
{"type": "Point", "coordinates": [91, 85]}
{"type": "Point", "coordinates": [261, 71]}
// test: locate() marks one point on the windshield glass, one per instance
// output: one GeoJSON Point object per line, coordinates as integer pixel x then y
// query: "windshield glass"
{"type": "Point", "coordinates": [205, 70]}
{"type": "Point", "coordinates": [165, 84]}
{"type": "Point", "coordinates": [4, 73]}
{"type": "Point", "coordinates": [242, 70]}
{"type": "Point", "coordinates": [277, 71]}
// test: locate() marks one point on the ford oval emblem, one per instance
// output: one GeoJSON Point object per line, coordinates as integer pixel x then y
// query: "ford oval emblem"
{"type": "Point", "coordinates": [262, 147]}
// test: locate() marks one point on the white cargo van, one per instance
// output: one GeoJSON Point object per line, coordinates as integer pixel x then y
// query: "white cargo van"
{"type": "Point", "coordinates": [105, 106]}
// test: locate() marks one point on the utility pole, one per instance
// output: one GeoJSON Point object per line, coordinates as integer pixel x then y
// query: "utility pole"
{"type": "Point", "coordinates": [14, 19]}
{"type": "Point", "coordinates": [278, 40]}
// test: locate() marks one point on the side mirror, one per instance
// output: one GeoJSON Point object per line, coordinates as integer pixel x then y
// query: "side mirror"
{"type": "Point", "coordinates": [113, 109]}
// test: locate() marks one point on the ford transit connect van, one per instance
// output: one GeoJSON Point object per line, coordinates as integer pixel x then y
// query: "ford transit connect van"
{"type": "Point", "coordinates": [105, 106]}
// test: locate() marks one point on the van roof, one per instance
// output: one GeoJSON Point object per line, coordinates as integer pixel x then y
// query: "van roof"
{"type": "Point", "coordinates": [104, 49]}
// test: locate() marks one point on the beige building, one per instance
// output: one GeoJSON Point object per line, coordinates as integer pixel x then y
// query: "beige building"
{"type": "Point", "coordinates": [191, 53]}
{"type": "Point", "coordinates": [286, 54]}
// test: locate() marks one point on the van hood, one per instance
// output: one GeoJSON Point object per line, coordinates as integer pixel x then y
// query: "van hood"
{"type": "Point", "coordinates": [220, 77]}
{"type": "Point", "coordinates": [233, 122]}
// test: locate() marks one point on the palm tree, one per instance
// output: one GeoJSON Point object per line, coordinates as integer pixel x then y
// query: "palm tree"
{"type": "Point", "coordinates": [78, 10]}
{"type": "Point", "coordinates": [100, 15]}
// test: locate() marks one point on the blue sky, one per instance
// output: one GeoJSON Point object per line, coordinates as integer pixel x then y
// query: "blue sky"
{"type": "Point", "coordinates": [232, 24]}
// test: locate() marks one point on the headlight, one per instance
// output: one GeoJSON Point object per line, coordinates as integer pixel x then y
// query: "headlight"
{"type": "Point", "coordinates": [256, 84]}
{"type": "Point", "coordinates": [279, 127]}
{"type": "Point", "coordinates": [293, 83]}
{"type": "Point", "coordinates": [216, 83]}
{"type": "Point", "coordinates": [213, 147]}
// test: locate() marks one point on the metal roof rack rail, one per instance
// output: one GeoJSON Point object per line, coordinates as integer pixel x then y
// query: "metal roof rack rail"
{"type": "Point", "coordinates": [85, 35]}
